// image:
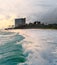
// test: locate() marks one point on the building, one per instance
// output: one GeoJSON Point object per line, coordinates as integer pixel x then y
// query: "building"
{"type": "Point", "coordinates": [20, 22]}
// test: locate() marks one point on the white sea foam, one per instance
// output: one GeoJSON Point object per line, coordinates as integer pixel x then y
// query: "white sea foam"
{"type": "Point", "coordinates": [41, 46]}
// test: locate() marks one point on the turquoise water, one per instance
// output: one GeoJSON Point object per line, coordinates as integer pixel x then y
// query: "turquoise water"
{"type": "Point", "coordinates": [11, 53]}
{"type": "Point", "coordinates": [32, 47]}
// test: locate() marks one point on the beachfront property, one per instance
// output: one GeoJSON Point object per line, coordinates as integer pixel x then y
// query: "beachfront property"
{"type": "Point", "coordinates": [20, 22]}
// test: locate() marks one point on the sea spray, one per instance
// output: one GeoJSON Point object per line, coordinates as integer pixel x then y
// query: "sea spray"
{"type": "Point", "coordinates": [11, 53]}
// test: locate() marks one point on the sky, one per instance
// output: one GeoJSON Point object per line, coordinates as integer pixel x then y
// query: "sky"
{"type": "Point", "coordinates": [43, 10]}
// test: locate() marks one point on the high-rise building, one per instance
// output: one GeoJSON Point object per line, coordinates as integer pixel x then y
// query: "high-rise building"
{"type": "Point", "coordinates": [20, 22]}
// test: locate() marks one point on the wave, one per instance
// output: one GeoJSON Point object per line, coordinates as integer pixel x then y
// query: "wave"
{"type": "Point", "coordinates": [11, 53]}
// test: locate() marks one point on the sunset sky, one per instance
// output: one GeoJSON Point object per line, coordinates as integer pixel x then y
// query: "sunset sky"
{"type": "Point", "coordinates": [31, 9]}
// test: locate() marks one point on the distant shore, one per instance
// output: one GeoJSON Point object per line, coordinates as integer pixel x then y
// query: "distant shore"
{"type": "Point", "coordinates": [37, 25]}
{"type": "Point", "coordinates": [28, 28]}
{"type": "Point", "coordinates": [34, 25]}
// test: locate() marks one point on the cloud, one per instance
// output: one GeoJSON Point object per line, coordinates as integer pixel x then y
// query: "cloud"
{"type": "Point", "coordinates": [50, 17]}
{"type": "Point", "coordinates": [32, 9]}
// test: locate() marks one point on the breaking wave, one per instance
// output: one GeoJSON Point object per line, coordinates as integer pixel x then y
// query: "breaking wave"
{"type": "Point", "coordinates": [11, 50]}
{"type": "Point", "coordinates": [37, 47]}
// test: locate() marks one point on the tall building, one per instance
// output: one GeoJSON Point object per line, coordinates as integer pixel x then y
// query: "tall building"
{"type": "Point", "coordinates": [20, 22]}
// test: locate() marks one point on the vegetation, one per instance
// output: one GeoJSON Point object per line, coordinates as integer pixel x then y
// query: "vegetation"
{"type": "Point", "coordinates": [36, 25]}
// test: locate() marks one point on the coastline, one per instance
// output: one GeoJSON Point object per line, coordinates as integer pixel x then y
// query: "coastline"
{"type": "Point", "coordinates": [30, 28]}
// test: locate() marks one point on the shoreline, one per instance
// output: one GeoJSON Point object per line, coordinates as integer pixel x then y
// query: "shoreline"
{"type": "Point", "coordinates": [31, 29]}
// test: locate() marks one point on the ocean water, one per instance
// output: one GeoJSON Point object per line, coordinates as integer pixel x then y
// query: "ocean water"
{"type": "Point", "coordinates": [30, 47]}
{"type": "Point", "coordinates": [11, 50]}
